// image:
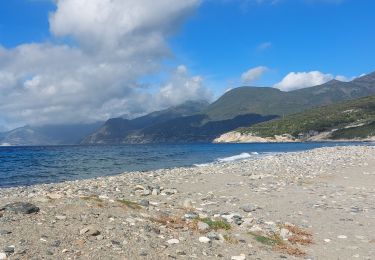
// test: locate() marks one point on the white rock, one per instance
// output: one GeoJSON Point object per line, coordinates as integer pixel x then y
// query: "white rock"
{"type": "Point", "coordinates": [203, 226]}
{"type": "Point", "coordinates": [3, 256]}
{"type": "Point", "coordinates": [188, 203]}
{"type": "Point", "coordinates": [239, 257]}
{"type": "Point", "coordinates": [173, 241]}
{"type": "Point", "coordinates": [285, 233]}
{"type": "Point", "coordinates": [60, 217]}
{"type": "Point", "coordinates": [342, 237]}
{"type": "Point", "coordinates": [327, 240]}
{"type": "Point", "coordinates": [204, 240]}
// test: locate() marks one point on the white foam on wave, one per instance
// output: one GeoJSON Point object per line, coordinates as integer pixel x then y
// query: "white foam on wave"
{"type": "Point", "coordinates": [202, 164]}
{"type": "Point", "coordinates": [5, 144]}
{"type": "Point", "coordinates": [241, 156]}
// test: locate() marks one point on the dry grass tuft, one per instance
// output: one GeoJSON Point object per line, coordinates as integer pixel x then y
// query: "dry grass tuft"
{"type": "Point", "coordinates": [92, 198]}
{"type": "Point", "coordinates": [300, 236]}
{"type": "Point", "coordinates": [173, 222]}
{"type": "Point", "coordinates": [290, 250]}
{"type": "Point", "coordinates": [129, 204]}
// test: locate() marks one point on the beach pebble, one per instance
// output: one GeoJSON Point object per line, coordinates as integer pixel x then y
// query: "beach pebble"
{"type": "Point", "coordinates": [203, 226]}
{"type": "Point", "coordinates": [239, 257]}
{"type": "Point", "coordinates": [4, 232]}
{"type": "Point", "coordinates": [204, 240]}
{"type": "Point", "coordinates": [173, 241]}
{"type": "Point", "coordinates": [20, 208]}
{"type": "Point", "coordinates": [248, 207]}
{"type": "Point", "coordinates": [3, 256]}
{"type": "Point", "coordinates": [342, 237]}
{"type": "Point", "coordinates": [188, 203]}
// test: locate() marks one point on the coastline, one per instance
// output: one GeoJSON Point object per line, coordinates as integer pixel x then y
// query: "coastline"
{"type": "Point", "coordinates": [237, 137]}
{"type": "Point", "coordinates": [327, 192]}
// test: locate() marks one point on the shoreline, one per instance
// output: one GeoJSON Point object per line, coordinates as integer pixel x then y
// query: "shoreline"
{"type": "Point", "coordinates": [226, 210]}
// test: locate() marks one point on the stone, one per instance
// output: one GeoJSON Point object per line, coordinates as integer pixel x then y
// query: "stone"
{"type": "Point", "coordinates": [203, 226]}
{"type": "Point", "coordinates": [342, 237]}
{"type": "Point", "coordinates": [204, 240]}
{"type": "Point", "coordinates": [239, 257]}
{"type": "Point", "coordinates": [248, 208]}
{"type": "Point", "coordinates": [9, 250]}
{"type": "Point", "coordinates": [60, 217]}
{"type": "Point", "coordinates": [144, 203]}
{"type": "Point", "coordinates": [20, 208]}
{"type": "Point", "coordinates": [155, 192]}
{"type": "Point", "coordinates": [173, 241]}
{"type": "Point", "coordinates": [3, 256]}
{"type": "Point", "coordinates": [146, 193]}
{"type": "Point", "coordinates": [188, 203]}
{"type": "Point", "coordinates": [169, 192]}
{"type": "Point", "coordinates": [285, 234]}
{"type": "Point", "coordinates": [54, 196]}
{"type": "Point", "coordinates": [139, 187]}
{"type": "Point", "coordinates": [4, 232]}
{"type": "Point", "coordinates": [89, 231]}
{"type": "Point", "coordinates": [191, 215]}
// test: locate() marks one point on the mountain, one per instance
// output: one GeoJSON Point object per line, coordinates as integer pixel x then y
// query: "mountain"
{"type": "Point", "coordinates": [116, 130]}
{"type": "Point", "coordinates": [48, 134]}
{"type": "Point", "coordinates": [239, 107]}
{"type": "Point", "coordinates": [353, 119]}
{"type": "Point", "coordinates": [271, 101]}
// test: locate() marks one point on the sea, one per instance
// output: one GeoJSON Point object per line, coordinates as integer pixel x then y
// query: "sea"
{"type": "Point", "coordinates": [24, 166]}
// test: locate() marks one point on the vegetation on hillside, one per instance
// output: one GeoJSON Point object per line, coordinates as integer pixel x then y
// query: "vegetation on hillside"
{"type": "Point", "coordinates": [347, 120]}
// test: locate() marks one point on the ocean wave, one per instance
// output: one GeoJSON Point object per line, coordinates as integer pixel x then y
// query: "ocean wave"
{"type": "Point", "coordinates": [5, 144]}
{"type": "Point", "coordinates": [241, 156]}
{"type": "Point", "coordinates": [202, 164]}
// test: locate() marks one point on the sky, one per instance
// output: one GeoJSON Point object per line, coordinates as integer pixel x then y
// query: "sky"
{"type": "Point", "coordinates": [75, 61]}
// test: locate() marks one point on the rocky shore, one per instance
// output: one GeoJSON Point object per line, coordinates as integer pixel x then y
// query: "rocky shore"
{"type": "Point", "coordinates": [316, 204]}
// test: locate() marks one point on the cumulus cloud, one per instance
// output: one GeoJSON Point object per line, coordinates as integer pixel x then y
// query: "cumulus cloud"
{"type": "Point", "coordinates": [253, 74]}
{"type": "Point", "coordinates": [297, 80]}
{"type": "Point", "coordinates": [182, 87]}
{"type": "Point", "coordinates": [114, 44]}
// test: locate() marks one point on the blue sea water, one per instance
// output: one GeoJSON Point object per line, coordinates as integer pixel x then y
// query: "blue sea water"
{"type": "Point", "coordinates": [22, 166]}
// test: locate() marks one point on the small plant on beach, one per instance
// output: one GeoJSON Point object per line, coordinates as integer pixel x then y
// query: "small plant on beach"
{"type": "Point", "coordinates": [173, 222]}
{"type": "Point", "coordinates": [129, 204]}
{"type": "Point", "coordinates": [230, 239]}
{"type": "Point", "coordinates": [278, 244]}
{"type": "Point", "coordinates": [268, 240]}
{"type": "Point", "coordinates": [216, 224]}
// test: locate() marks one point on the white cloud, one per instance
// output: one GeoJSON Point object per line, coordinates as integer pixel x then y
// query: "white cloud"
{"type": "Point", "coordinates": [116, 43]}
{"type": "Point", "coordinates": [253, 74]}
{"type": "Point", "coordinates": [181, 87]}
{"type": "Point", "coordinates": [298, 80]}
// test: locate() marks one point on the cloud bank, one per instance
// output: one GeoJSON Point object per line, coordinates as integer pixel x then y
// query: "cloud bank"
{"type": "Point", "coordinates": [112, 45]}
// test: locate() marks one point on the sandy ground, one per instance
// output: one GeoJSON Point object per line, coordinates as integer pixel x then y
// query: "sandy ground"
{"type": "Point", "coordinates": [317, 204]}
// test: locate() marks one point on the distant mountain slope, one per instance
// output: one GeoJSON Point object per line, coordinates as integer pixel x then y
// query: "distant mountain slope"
{"type": "Point", "coordinates": [191, 129]}
{"type": "Point", "coordinates": [239, 107]}
{"type": "Point", "coordinates": [116, 130]}
{"type": "Point", "coordinates": [271, 101]}
{"type": "Point", "coordinates": [353, 119]}
{"type": "Point", "coordinates": [48, 135]}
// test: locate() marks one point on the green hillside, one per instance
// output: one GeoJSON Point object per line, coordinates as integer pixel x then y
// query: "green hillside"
{"type": "Point", "coordinates": [271, 101]}
{"type": "Point", "coordinates": [347, 120]}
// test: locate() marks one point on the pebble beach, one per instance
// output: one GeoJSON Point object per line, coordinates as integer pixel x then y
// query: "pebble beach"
{"type": "Point", "coordinates": [316, 204]}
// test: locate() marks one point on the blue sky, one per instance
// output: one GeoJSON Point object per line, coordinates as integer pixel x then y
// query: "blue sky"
{"type": "Point", "coordinates": [214, 43]}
